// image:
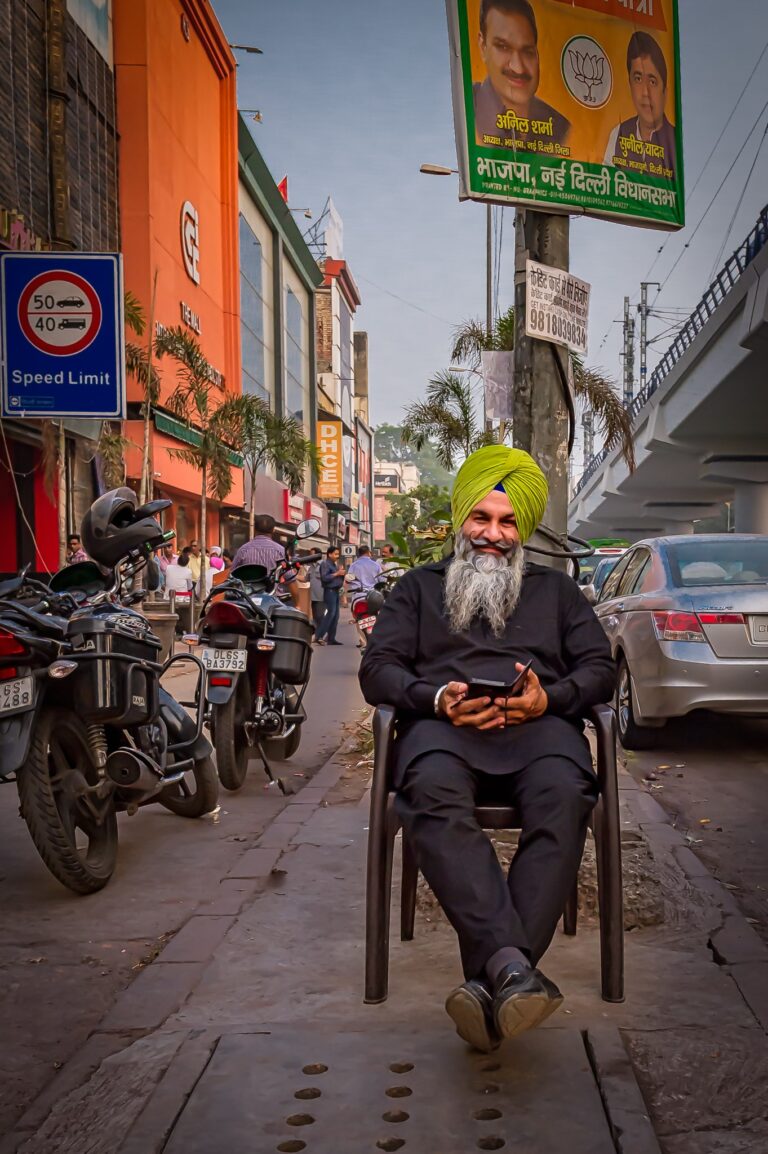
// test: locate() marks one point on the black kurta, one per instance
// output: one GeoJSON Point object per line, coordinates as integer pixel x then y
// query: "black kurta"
{"type": "Point", "coordinates": [412, 653]}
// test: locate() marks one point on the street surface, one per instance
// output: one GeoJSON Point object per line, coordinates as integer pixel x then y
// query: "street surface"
{"type": "Point", "coordinates": [711, 775]}
{"type": "Point", "coordinates": [63, 958]}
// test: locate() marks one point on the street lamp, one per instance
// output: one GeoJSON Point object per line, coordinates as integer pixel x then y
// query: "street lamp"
{"type": "Point", "coordinates": [254, 112]}
{"type": "Point", "coordinates": [441, 170]}
{"type": "Point", "coordinates": [249, 48]}
{"type": "Point", "coordinates": [307, 212]}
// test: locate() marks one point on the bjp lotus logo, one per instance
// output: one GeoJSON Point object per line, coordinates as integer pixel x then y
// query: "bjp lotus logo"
{"type": "Point", "coordinates": [587, 72]}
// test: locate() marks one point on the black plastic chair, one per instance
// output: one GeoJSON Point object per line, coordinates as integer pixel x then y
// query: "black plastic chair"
{"type": "Point", "coordinates": [384, 825]}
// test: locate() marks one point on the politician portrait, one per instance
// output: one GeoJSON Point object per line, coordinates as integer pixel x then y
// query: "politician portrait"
{"type": "Point", "coordinates": [646, 141]}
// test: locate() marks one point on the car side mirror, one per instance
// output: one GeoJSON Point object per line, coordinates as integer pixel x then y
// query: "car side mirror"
{"type": "Point", "coordinates": [590, 593]}
{"type": "Point", "coordinates": [307, 528]}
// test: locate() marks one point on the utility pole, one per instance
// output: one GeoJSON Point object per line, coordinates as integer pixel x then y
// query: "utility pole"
{"type": "Point", "coordinates": [588, 429]}
{"type": "Point", "coordinates": [540, 422]}
{"type": "Point", "coordinates": [629, 355]}
{"type": "Point", "coordinates": [643, 309]}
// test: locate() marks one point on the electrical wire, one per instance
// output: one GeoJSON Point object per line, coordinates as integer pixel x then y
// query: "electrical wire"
{"type": "Point", "coordinates": [729, 230]}
{"type": "Point", "coordinates": [703, 169]}
{"type": "Point", "coordinates": [403, 301]}
{"type": "Point", "coordinates": [715, 195]}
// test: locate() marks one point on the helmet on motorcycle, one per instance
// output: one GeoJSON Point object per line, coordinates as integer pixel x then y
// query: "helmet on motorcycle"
{"type": "Point", "coordinates": [113, 527]}
{"type": "Point", "coordinates": [375, 601]}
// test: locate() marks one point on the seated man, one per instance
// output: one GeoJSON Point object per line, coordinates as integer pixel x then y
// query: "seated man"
{"type": "Point", "coordinates": [483, 614]}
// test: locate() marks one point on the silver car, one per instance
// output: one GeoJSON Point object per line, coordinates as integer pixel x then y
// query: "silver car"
{"type": "Point", "coordinates": [687, 618]}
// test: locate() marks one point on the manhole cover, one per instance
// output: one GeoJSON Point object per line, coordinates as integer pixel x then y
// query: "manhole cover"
{"type": "Point", "coordinates": [325, 1093]}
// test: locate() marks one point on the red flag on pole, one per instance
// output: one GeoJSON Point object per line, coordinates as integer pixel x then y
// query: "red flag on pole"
{"type": "Point", "coordinates": [282, 188]}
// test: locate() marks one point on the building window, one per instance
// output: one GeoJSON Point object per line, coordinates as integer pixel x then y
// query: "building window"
{"type": "Point", "coordinates": [252, 312]}
{"type": "Point", "coordinates": [296, 400]}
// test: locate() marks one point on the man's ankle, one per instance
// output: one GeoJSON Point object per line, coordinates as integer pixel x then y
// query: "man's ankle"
{"type": "Point", "coordinates": [507, 956]}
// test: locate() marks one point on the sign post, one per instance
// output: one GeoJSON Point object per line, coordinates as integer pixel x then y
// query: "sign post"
{"type": "Point", "coordinates": [61, 335]}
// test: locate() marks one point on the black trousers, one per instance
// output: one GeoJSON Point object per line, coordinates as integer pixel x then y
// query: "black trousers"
{"type": "Point", "coordinates": [553, 797]}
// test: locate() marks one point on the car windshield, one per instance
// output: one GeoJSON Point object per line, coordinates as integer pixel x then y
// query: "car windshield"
{"type": "Point", "coordinates": [727, 562]}
{"type": "Point", "coordinates": [602, 571]}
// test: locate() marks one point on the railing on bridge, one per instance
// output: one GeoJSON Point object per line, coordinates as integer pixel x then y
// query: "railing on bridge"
{"type": "Point", "coordinates": [714, 296]}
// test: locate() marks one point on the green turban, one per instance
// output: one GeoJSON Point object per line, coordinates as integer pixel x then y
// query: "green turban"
{"type": "Point", "coordinates": [499, 467]}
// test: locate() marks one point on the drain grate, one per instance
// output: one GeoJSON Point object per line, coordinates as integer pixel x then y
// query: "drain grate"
{"type": "Point", "coordinates": [537, 1093]}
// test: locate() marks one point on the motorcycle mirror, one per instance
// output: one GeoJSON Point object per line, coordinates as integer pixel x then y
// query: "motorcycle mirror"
{"type": "Point", "coordinates": [307, 528]}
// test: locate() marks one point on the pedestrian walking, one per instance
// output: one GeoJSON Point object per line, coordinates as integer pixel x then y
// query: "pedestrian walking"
{"type": "Point", "coordinates": [332, 574]}
{"type": "Point", "coordinates": [75, 550]}
{"type": "Point", "coordinates": [264, 550]}
{"type": "Point", "coordinates": [195, 560]}
{"type": "Point", "coordinates": [316, 594]}
{"type": "Point", "coordinates": [216, 558]}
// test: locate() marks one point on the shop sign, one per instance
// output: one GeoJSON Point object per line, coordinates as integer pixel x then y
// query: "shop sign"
{"type": "Point", "coordinates": [331, 482]}
{"type": "Point", "coordinates": [293, 508]}
{"type": "Point", "coordinates": [592, 125]}
{"type": "Point", "coordinates": [190, 240]}
{"type": "Point", "coordinates": [16, 235]}
{"type": "Point", "coordinates": [386, 481]}
{"type": "Point", "coordinates": [190, 319]}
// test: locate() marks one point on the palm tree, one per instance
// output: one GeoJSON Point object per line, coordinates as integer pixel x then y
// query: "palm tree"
{"type": "Point", "coordinates": [266, 439]}
{"type": "Point", "coordinates": [591, 386]}
{"type": "Point", "coordinates": [448, 418]}
{"type": "Point", "coordinates": [138, 362]}
{"type": "Point", "coordinates": [193, 402]}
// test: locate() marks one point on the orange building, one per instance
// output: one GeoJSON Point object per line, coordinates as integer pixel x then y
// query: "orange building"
{"type": "Point", "coordinates": [177, 124]}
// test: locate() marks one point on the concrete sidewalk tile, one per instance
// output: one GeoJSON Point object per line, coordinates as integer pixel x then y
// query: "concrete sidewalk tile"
{"type": "Point", "coordinates": [692, 866]}
{"type": "Point", "coordinates": [278, 836]}
{"type": "Point", "coordinates": [197, 939]}
{"type": "Point", "coordinates": [328, 775]}
{"type": "Point", "coordinates": [625, 1107]}
{"type": "Point", "coordinates": [230, 896]}
{"type": "Point", "coordinates": [154, 995]}
{"type": "Point", "coordinates": [255, 863]}
{"type": "Point", "coordinates": [716, 892]}
{"type": "Point", "coordinates": [295, 813]}
{"type": "Point", "coordinates": [74, 1073]}
{"type": "Point", "coordinates": [151, 1130]}
{"type": "Point", "coordinates": [647, 809]}
{"type": "Point", "coordinates": [737, 942]}
{"type": "Point", "coordinates": [309, 795]}
{"type": "Point", "coordinates": [752, 980]}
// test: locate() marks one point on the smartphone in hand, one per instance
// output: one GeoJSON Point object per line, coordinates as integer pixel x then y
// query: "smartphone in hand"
{"type": "Point", "coordinates": [494, 689]}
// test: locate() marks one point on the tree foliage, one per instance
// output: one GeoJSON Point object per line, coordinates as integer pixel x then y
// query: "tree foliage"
{"type": "Point", "coordinates": [389, 446]}
{"type": "Point", "coordinates": [449, 418]}
{"type": "Point", "coordinates": [267, 440]}
{"type": "Point", "coordinates": [592, 387]}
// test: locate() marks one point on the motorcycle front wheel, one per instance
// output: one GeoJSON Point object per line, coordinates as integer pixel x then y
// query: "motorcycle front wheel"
{"type": "Point", "coordinates": [74, 831]}
{"type": "Point", "coordinates": [196, 794]}
{"type": "Point", "coordinates": [232, 749]}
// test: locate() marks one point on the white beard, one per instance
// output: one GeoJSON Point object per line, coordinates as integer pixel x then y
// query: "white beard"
{"type": "Point", "coordinates": [482, 585]}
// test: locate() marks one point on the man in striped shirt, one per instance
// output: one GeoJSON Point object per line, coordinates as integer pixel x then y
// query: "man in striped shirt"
{"type": "Point", "coordinates": [264, 550]}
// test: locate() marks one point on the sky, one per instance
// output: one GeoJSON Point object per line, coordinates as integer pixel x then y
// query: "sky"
{"type": "Point", "coordinates": [355, 96]}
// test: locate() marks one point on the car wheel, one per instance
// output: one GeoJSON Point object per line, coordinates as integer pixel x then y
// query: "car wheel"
{"type": "Point", "coordinates": [631, 735]}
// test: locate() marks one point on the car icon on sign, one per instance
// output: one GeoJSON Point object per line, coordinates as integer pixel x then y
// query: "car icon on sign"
{"type": "Point", "coordinates": [78, 323]}
{"type": "Point", "coordinates": [70, 303]}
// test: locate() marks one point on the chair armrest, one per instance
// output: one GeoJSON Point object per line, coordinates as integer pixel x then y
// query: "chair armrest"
{"type": "Point", "coordinates": [383, 742]}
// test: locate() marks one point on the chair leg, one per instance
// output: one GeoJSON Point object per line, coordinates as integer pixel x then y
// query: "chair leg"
{"type": "Point", "coordinates": [571, 911]}
{"type": "Point", "coordinates": [610, 896]}
{"type": "Point", "coordinates": [377, 906]}
{"type": "Point", "coordinates": [408, 891]}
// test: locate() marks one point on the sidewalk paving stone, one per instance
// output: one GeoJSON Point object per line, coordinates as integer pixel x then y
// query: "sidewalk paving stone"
{"type": "Point", "coordinates": [197, 939]}
{"type": "Point", "coordinates": [158, 992]}
{"type": "Point", "coordinates": [346, 1093]}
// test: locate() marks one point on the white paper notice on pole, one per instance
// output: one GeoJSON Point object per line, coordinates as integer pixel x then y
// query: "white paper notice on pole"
{"type": "Point", "coordinates": [557, 306]}
{"type": "Point", "coordinates": [497, 371]}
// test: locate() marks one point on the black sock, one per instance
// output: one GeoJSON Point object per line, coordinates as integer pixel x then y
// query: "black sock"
{"type": "Point", "coordinates": [508, 956]}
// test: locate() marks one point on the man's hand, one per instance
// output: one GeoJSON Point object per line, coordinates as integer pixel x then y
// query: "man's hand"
{"type": "Point", "coordinates": [479, 713]}
{"type": "Point", "coordinates": [530, 704]}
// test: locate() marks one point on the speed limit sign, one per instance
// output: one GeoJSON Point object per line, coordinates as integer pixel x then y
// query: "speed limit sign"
{"type": "Point", "coordinates": [59, 313]}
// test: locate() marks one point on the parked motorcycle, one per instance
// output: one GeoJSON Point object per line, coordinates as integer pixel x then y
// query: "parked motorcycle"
{"type": "Point", "coordinates": [257, 657]}
{"type": "Point", "coordinates": [366, 604]}
{"type": "Point", "coordinates": [84, 722]}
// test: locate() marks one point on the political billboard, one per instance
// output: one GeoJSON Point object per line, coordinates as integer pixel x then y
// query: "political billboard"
{"type": "Point", "coordinates": [570, 106]}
